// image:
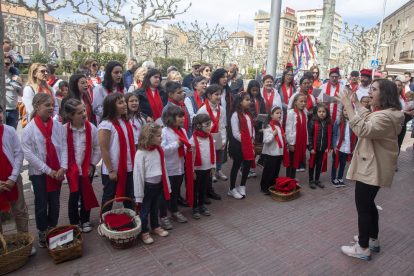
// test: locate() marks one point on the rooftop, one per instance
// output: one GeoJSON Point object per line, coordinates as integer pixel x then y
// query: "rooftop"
{"type": "Point", "coordinates": [20, 11]}
{"type": "Point", "coordinates": [241, 34]}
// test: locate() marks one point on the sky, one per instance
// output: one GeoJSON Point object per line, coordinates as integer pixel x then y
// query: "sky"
{"type": "Point", "coordinates": [226, 13]}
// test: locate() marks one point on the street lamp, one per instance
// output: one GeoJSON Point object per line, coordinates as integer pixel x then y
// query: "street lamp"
{"type": "Point", "coordinates": [96, 32]}
{"type": "Point", "coordinates": [167, 41]}
{"type": "Point", "coordinates": [224, 57]}
{"type": "Point", "coordinates": [201, 51]}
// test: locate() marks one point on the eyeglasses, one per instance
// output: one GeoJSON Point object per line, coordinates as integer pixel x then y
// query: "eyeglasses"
{"type": "Point", "coordinates": [315, 73]}
{"type": "Point", "coordinates": [334, 77]}
{"type": "Point", "coordinates": [44, 71]}
{"type": "Point", "coordinates": [207, 70]}
{"type": "Point", "coordinates": [7, 63]}
{"type": "Point", "coordinates": [95, 65]}
{"type": "Point", "coordinates": [88, 75]}
{"type": "Point", "coordinates": [289, 75]}
{"type": "Point", "coordinates": [207, 125]}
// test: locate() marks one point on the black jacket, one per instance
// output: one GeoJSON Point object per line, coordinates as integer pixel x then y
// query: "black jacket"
{"type": "Point", "coordinates": [262, 107]}
{"type": "Point", "coordinates": [237, 86]}
{"type": "Point", "coordinates": [322, 142]}
{"type": "Point", "coordinates": [144, 104]}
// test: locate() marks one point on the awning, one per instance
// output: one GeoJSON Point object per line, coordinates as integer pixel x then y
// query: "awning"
{"type": "Point", "coordinates": [405, 66]}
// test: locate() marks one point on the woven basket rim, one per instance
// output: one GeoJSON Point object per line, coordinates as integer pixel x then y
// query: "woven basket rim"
{"type": "Point", "coordinates": [8, 236]}
{"type": "Point", "coordinates": [57, 229]}
{"type": "Point", "coordinates": [274, 191]}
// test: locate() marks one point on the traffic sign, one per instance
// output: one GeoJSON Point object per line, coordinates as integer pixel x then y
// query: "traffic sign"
{"type": "Point", "coordinates": [374, 63]}
{"type": "Point", "coordinates": [256, 66]}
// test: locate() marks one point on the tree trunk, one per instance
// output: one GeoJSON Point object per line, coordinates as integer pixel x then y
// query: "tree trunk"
{"type": "Point", "coordinates": [326, 36]}
{"type": "Point", "coordinates": [42, 31]}
{"type": "Point", "coordinates": [129, 42]}
{"type": "Point", "coordinates": [2, 76]}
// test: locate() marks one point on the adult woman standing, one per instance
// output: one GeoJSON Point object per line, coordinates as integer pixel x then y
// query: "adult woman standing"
{"type": "Point", "coordinates": [286, 89]}
{"type": "Point", "coordinates": [305, 85]}
{"type": "Point", "coordinates": [94, 66]}
{"type": "Point", "coordinates": [315, 71]}
{"type": "Point", "coordinates": [152, 97]}
{"type": "Point", "coordinates": [78, 89]}
{"type": "Point", "coordinates": [113, 82]}
{"type": "Point", "coordinates": [408, 115]}
{"type": "Point", "coordinates": [236, 85]}
{"type": "Point", "coordinates": [138, 79]}
{"type": "Point", "coordinates": [270, 97]}
{"type": "Point", "coordinates": [37, 83]}
{"type": "Point", "coordinates": [196, 100]}
{"type": "Point", "coordinates": [220, 77]}
{"type": "Point", "coordinates": [375, 157]}
{"type": "Point", "coordinates": [205, 71]}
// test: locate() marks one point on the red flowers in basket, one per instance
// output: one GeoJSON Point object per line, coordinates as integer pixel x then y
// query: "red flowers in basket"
{"type": "Point", "coordinates": [286, 185]}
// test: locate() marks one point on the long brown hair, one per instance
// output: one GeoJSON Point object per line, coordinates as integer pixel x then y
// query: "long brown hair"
{"type": "Point", "coordinates": [130, 113]}
{"type": "Point", "coordinates": [388, 97]}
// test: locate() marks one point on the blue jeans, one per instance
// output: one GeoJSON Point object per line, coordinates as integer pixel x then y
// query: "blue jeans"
{"type": "Point", "coordinates": [110, 191]}
{"type": "Point", "coordinates": [342, 163]}
{"type": "Point", "coordinates": [220, 162]}
{"type": "Point", "coordinates": [12, 118]}
{"type": "Point", "coordinates": [150, 205]}
{"type": "Point", "coordinates": [47, 204]}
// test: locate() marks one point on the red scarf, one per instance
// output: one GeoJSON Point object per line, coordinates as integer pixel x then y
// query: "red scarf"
{"type": "Point", "coordinates": [310, 90]}
{"type": "Point", "coordinates": [122, 165]}
{"type": "Point", "coordinates": [197, 99]}
{"type": "Point", "coordinates": [354, 87]}
{"type": "Point", "coordinates": [88, 103]}
{"type": "Point", "coordinates": [186, 117]}
{"type": "Point", "coordinates": [198, 162]}
{"type": "Point", "coordinates": [310, 102]}
{"type": "Point", "coordinates": [341, 137]}
{"type": "Point", "coordinates": [72, 173]}
{"type": "Point", "coordinates": [376, 109]}
{"type": "Point", "coordinates": [118, 89]}
{"type": "Point", "coordinates": [188, 163]}
{"type": "Point", "coordinates": [335, 107]}
{"type": "Point", "coordinates": [52, 160]}
{"type": "Point", "coordinates": [216, 121]}
{"type": "Point", "coordinates": [48, 92]}
{"type": "Point", "coordinates": [301, 139]}
{"type": "Point", "coordinates": [51, 81]}
{"type": "Point", "coordinates": [155, 103]}
{"type": "Point", "coordinates": [164, 175]}
{"type": "Point", "coordinates": [133, 123]}
{"type": "Point", "coordinates": [269, 101]}
{"type": "Point", "coordinates": [403, 93]}
{"type": "Point", "coordinates": [285, 95]}
{"type": "Point", "coordinates": [246, 137]}
{"type": "Point", "coordinates": [5, 172]}
{"type": "Point", "coordinates": [256, 105]}
{"type": "Point", "coordinates": [325, 156]}
{"type": "Point", "coordinates": [273, 125]}
{"type": "Point", "coordinates": [91, 82]}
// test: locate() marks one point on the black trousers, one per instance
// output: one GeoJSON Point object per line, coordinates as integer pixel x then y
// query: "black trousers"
{"type": "Point", "coordinates": [175, 182]}
{"type": "Point", "coordinates": [401, 136]}
{"type": "Point", "coordinates": [367, 212]}
{"type": "Point", "coordinates": [150, 205]}
{"type": "Point", "coordinates": [291, 171]}
{"type": "Point", "coordinates": [74, 217]}
{"type": "Point", "coordinates": [200, 186]}
{"type": "Point", "coordinates": [235, 168]}
{"type": "Point", "coordinates": [109, 191]}
{"type": "Point", "coordinates": [317, 165]}
{"type": "Point", "coordinates": [270, 171]}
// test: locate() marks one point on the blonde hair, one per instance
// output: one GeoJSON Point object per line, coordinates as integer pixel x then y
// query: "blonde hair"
{"type": "Point", "coordinates": [138, 72]}
{"type": "Point", "coordinates": [148, 131]}
{"type": "Point", "coordinates": [295, 99]}
{"type": "Point", "coordinates": [231, 69]}
{"type": "Point", "coordinates": [38, 99]}
{"type": "Point", "coordinates": [31, 81]}
{"type": "Point", "coordinates": [173, 75]}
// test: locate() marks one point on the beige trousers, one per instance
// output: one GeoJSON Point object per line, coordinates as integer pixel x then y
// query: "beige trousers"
{"type": "Point", "coordinates": [19, 209]}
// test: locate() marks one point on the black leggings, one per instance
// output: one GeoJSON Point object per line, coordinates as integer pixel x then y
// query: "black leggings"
{"type": "Point", "coordinates": [367, 212]}
{"type": "Point", "coordinates": [270, 171]}
{"type": "Point", "coordinates": [235, 168]}
{"type": "Point", "coordinates": [317, 164]}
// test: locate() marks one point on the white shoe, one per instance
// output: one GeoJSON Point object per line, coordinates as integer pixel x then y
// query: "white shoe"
{"type": "Point", "coordinates": [86, 227]}
{"type": "Point", "coordinates": [214, 178]}
{"type": "Point", "coordinates": [95, 174]}
{"type": "Point", "coordinates": [252, 173]}
{"type": "Point", "coordinates": [357, 252]}
{"type": "Point", "coordinates": [374, 245]}
{"type": "Point", "coordinates": [146, 238]}
{"type": "Point", "coordinates": [221, 176]}
{"type": "Point", "coordinates": [234, 193]}
{"type": "Point", "coordinates": [33, 252]}
{"type": "Point", "coordinates": [241, 190]}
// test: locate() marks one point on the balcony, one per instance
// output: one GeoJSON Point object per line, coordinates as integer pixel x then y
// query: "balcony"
{"type": "Point", "coordinates": [407, 55]}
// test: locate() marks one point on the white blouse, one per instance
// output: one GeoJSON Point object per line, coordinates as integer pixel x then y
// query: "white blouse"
{"type": "Point", "coordinates": [99, 94]}
{"type": "Point", "coordinates": [332, 94]}
{"type": "Point", "coordinates": [204, 144]}
{"type": "Point", "coordinates": [27, 99]}
{"type": "Point", "coordinates": [13, 150]}
{"type": "Point", "coordinates": [79, 145]}
{"type": "Point", "coordinates": [136, 127]}
{"type": "Point", "coordinates": [271, 147]}
{"type": "Point", "coordinates": [291, 126]}
{"type": "Point", "coordinates": [34, 147]}
{"type": "Point", "coordinates": [114, 147]}
{"type": "Point", "coordinates": [222, 119]}
{"type": "Point", "coordinates": [291, 101]}
{"type": "Point", "coordinates": [235, 126]}
{"type": "Point", "coordinates": [277, 100]}
{"type": "Point", "coordinates": [173, 162]}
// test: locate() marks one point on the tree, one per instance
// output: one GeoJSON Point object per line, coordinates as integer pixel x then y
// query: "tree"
{"type": "Point", "coordinates": [139, 12]}
{"type": "Point", "coordinates": [41, 7]}
{"type": "Point", "coordinates": [203, 37]}
{"type": "Point", "coordinates": [324, 44]}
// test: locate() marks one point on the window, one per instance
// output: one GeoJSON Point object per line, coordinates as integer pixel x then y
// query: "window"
{"type": "Point", "coordinates": [286, 23]}
{"type": "Point", "coordinates": [301, 24]}
{"type": "Point", "coordinates": [290, 24]}
{"type": "Point", "coordinates": [293, 26]}
{"type": "Point", "coordinates": [28, 50]}
{"type": "Point", "coordinates": [260, 32]}
{"type": "Point", "coordinates": [391, 28]}
{"type": "Point", "coordinates": [398, 22]}
{"type": "Point", "coordinates": [407, 20]}
{"type": "Point", "coordinates": [267, 32]}
{"type": "Point", "coordinates": [261, 23]}
{"type": "Point", "coordinates": [79, 47]}
{"type": "Point", "coordinates": [403, 46]}
{"type": "Point", "coordinates": [319, 16]}
{"type": "Point", "coordinates": [259, 39]}
{"type": "Point", "coordinates": [303, 17]}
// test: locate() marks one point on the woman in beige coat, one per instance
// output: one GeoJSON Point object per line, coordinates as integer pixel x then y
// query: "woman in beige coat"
{"type": "Point", "coordinates": [375, 158]}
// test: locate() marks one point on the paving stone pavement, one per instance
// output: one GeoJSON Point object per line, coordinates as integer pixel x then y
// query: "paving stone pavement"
{"type": "Point", "coordinates": [253, 236]}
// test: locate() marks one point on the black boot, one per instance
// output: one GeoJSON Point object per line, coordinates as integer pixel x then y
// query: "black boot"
{"type": "Point", "coordinates": [207, 201]}
{"type": "Point", "coordinates": [181, 201]}
{"type": "Point", "coordinates": [211, 194]}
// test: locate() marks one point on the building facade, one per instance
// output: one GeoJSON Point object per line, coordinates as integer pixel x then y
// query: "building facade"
{"type": "Point", "coordinates": [242, 41]}
{"type": "Point", "coordinates": [310, 22]}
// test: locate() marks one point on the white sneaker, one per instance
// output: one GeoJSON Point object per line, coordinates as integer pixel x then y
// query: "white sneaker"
{"type": "Point", "coordinates": [33, 252]}
{"type": "Point", "coordinates": [146, 238]}
{"type": "Point", "coordinates": [95, 174]}
{"type": "Point", "coordinates": [357, 252]}
{"type": "Point", "coordinates": [234, 193]}
{"type": "Point", "coordinates": [214, 178]}
{"type": "Point", "coordinates": [374, 245]}
{"type": "Point", "coordinates": [252, 173]}
{"type": "Point", "coordinates": [221, 176]}
{"type": "Point", "coordinates": [86, 227]}
{"type": "Point", "coordinates": [241, 190]}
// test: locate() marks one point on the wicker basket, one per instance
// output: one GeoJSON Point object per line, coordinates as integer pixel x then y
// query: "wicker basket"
{"type": "Point", "coordinates": [124, 239]}
{"type": "Point", "coordinates": [66, 254]}
{"type": "Point", "coordinates": [258, 147]}
{"type": "Point", "coordinates": [285, 197]}
{"type": "Point", "coordinates": [10, 261]}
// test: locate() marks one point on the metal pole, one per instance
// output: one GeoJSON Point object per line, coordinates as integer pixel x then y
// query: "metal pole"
{"type": "Point", "coordinates": [97, 37]}
{"type": "Point", "coordinates": [237, 40]}
{"type": "Point", "coordinates": [273, 37]}
{"type": "Point", "coordinates": [379, 36]}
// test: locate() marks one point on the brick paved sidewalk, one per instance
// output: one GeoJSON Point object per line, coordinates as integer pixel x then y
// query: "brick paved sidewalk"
{"type": "Point", "coordinates": [255, 236]}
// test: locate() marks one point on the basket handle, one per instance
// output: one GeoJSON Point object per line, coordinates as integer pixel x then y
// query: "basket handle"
{"type": "Point", "coordinates": [118, 198]}
{"type": "Point", "coordinates": [3, 243]}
